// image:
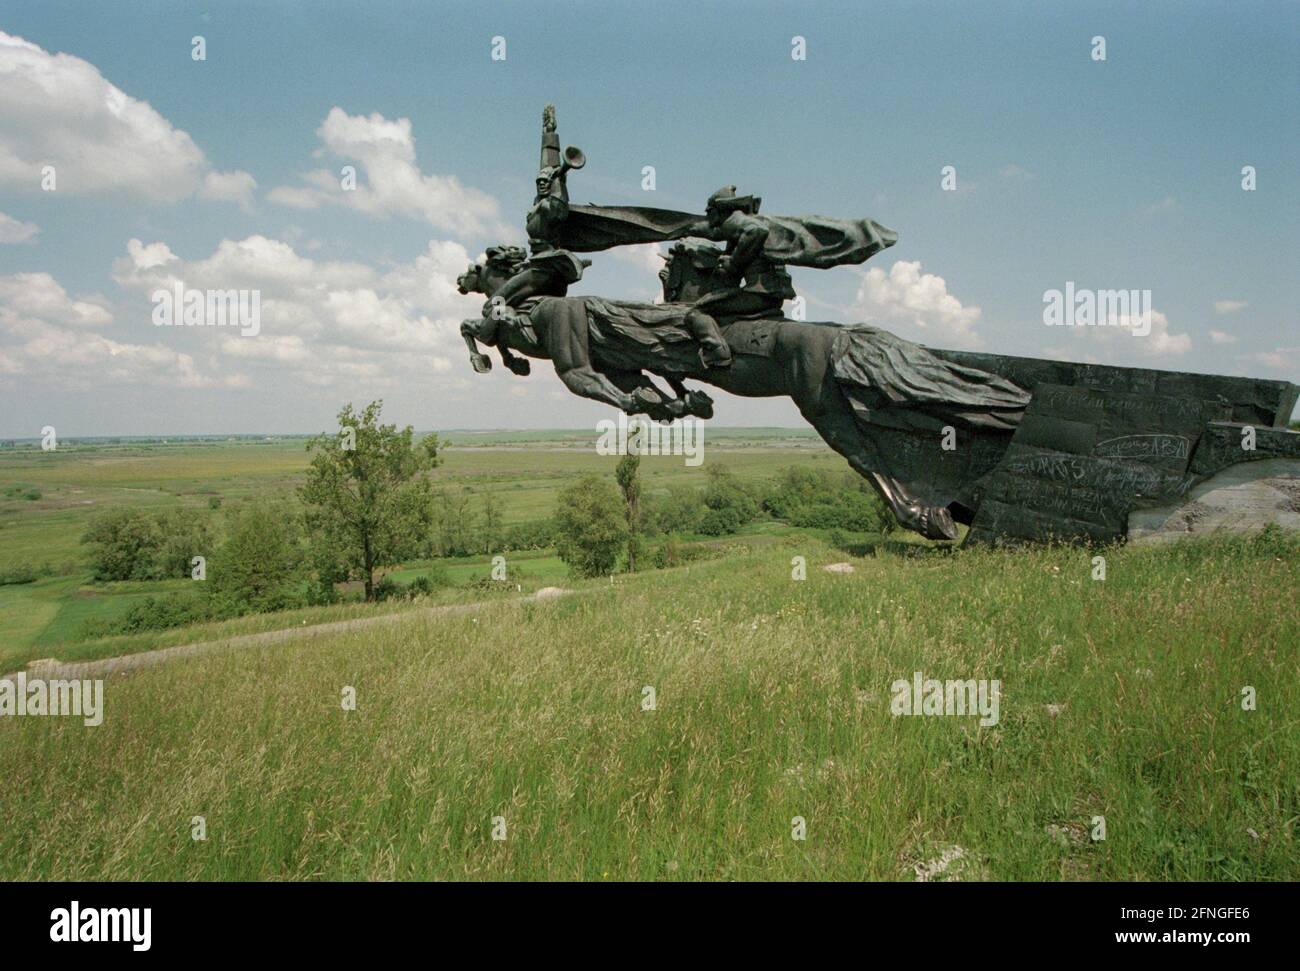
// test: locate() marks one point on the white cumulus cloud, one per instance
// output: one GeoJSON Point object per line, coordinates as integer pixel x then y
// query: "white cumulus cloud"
{"type": "Point", "coordinates": [918, 305]}
{"type": "Point", "coordinates": [237, 187]}
{"type": "Point", "coordinates": [1229, 306]}
{"type": "Point", "coordinates": [57, 109]}
{"type": "Point", "coordinates": [323, 323]}
{"type": "Point", "coordinates": [16, 231]}
{"type": "Point", "coordinates": [28, 296]}
{"type": "Point", "coordinates": [1118, 339]}
{"type": "Point", "coordinates": [49, 339]}
{"type": "Point", "coordinates": [389, 182]}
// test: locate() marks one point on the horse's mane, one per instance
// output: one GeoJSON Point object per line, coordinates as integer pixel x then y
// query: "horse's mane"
{"type": "Point", "coordinates": [507, 258]}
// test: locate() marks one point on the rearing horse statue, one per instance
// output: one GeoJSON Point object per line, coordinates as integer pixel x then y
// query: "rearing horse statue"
{"type": "Point", "coordinates": [887, 405]}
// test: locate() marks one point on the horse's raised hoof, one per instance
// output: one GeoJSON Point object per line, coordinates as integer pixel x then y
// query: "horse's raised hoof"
{"type": "Point", "coordinates": [647, 402]}
{"type": "Point", "coordinates": [698, 404]}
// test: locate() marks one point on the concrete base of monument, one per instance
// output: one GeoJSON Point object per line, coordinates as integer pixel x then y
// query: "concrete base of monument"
{"type": "Point", "coordinates": [1243, 498]}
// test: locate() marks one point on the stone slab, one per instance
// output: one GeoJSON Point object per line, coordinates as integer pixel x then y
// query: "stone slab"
{"type": "Point", "coordinates": [1241, 498]}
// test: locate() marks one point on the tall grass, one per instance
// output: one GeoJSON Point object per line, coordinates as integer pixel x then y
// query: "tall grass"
{"type": "Point", "coordinates": [1120, 699]}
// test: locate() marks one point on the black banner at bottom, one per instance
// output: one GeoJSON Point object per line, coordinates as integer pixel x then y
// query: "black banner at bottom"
{"type": "Point", "coordinates": [333, 920]}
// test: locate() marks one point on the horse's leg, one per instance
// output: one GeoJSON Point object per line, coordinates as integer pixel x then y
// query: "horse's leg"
{"type": "Point", "coordinates": [632, 380]}
{"type": "Point", "coordinates": [652, 399]}
{"type": "Point", "coordinates": [482, 363]}
{"type": "Point", "coordinates": [563, 321]}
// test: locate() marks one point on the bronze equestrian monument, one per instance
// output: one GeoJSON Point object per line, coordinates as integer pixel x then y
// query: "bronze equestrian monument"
{"type": "Point", "coordinates": [1019, 449]}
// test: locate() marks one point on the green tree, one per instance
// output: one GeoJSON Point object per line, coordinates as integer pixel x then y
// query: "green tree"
{"type": "Point", "coordinates": [821, 499]}
{"type": "Point", "coordinates": [590, 526]}
{"type": "Point", "coordinates": [367, 499]}
{"type": "Point", "coordinates": [184, 534]}
{"type": "Point", "coordinates": [491, 523]}
{"type": "Point", "coordinates": [679, 511]}
{"type": "Point", "coordinates": [452, 524]}
{"type": "Point", "coordinates": [125, 544]}
{"type": "Point", "coordinates": [629, 483]}
{"type": "Point", "coordinates": [258, 565]}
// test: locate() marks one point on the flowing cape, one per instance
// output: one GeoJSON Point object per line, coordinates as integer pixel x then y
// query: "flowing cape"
{"type": "Point", "coordinates": [641, 336]}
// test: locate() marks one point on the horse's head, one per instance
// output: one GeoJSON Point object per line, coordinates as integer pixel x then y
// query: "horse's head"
{"type": "Point", "coordinates": [471, 281]}
{"type": "Point", "coordinates": [690, 272]}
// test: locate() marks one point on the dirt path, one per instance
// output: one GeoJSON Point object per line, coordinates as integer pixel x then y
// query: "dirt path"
{"type": "Point", "coordinates": [130, 662]}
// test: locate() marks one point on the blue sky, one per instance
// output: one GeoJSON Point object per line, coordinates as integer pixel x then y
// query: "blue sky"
{"type": "Point", "coordinates": [1122, 173]}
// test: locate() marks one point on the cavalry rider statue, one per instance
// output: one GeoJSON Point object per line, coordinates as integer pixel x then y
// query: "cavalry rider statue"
{"type": "Point", "coordinates": [747, 282]}
{"type": "Point", "coordinates": [549, 269]}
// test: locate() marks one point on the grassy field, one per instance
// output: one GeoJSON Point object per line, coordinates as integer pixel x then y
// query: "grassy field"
{"type": "Point", "coordinates": [524, 470]}
{"type": "Point", "coordinates": [1120, 699]}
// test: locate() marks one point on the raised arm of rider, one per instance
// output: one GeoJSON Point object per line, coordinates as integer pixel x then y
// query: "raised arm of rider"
{"type": "Point", "coordinates": [704, 230]}
{"type": "Point", "coordinates": [748, 237]}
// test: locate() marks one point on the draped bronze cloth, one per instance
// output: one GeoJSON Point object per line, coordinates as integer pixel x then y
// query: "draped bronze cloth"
{"type": "Point", "coordinates": [822, 242]}
{"type": "Point", "coordinates": [816, 241]}
{"type": "Point", "coordinates": [591, 228]}
{"type": "Point", "coordinates": [874, 368]}
{"type": "Point", "coordinates": [894, 372]}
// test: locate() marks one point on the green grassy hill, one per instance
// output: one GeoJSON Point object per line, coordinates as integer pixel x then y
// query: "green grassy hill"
{"type": "Point", "coordinates": [1120, 699]}
{"type": "Point", "coordinates": [47, 500]}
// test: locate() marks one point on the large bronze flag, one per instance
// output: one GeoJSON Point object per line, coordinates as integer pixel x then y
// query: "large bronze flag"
{"type": "Point", "coordinates": [823, 242]}
{"type": "Point", "coordinates": [817, 241]}
{"type": "Point", "coordinates": [591, 228]}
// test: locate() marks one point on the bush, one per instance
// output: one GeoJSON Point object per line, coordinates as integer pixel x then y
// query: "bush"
{"type": "Point", "coordinates": [820, 499]}
{"type": "Point", "coordinates": [160, 613]}
{"type": "Point", "coordinates": [673, 552]}
{"type": "Point", "coordinates": [453, 530]}
{"type": "Point", "coordinates": [679, 511]}
{"type": "Point", "coordinates": [182, 536]}
{"type": "Point", "coordinates": [129, 544]}
{"type": "Point", "coordinates": [794, 488]}
{"type": "Point", "coordinates": [152, 613]}
{"type": "Point", "coordinates": [389, 589]}
{"type": "Point", "coordinates": [321, 592]}
{"type": "Point", "coordinates": [728, 504]}
{"type": "Point", "coordinates": [538, 535]}
{"type": "Point", "coordinates": [17, 574]}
